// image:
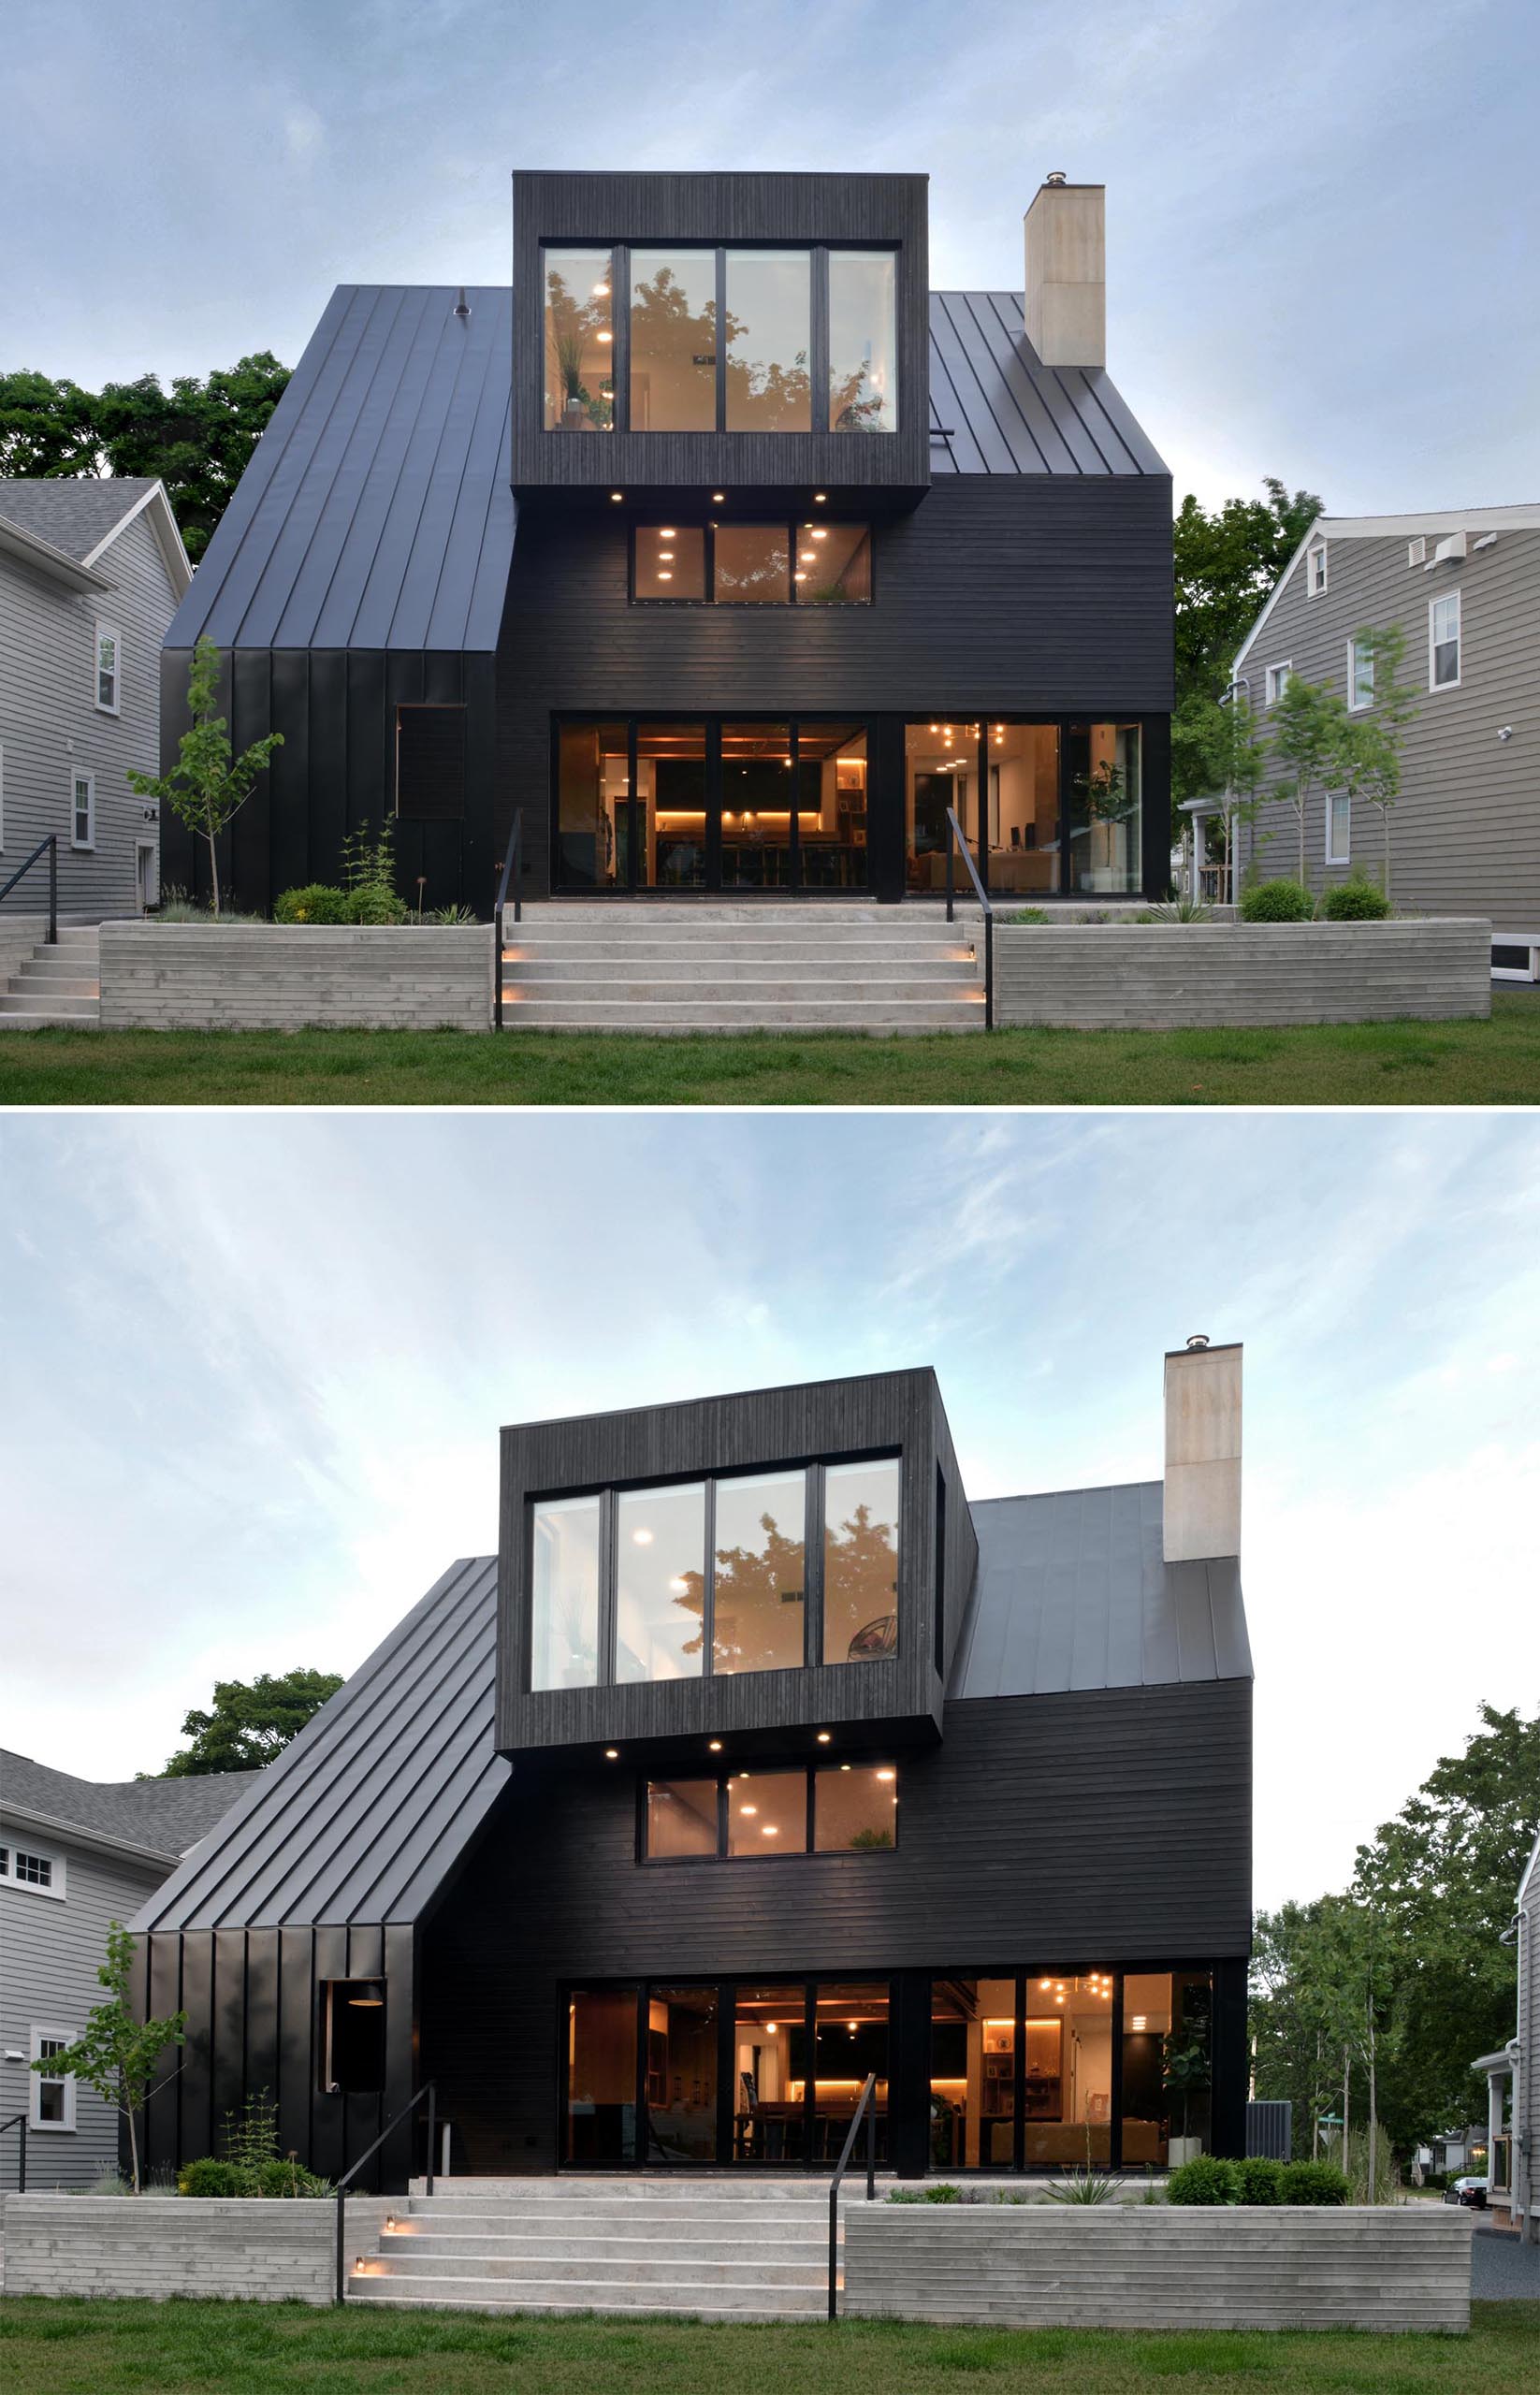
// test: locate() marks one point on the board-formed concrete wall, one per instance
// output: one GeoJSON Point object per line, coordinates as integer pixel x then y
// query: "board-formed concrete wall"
{"type": "Point", "coordinates": [1131, 2266]}
{"type": "Point", "coordinates": [1171, 976]}
{"type": "Point", "coordinates": [271, 2252]}
{"type": "Point", "coordinates": [251, 976]}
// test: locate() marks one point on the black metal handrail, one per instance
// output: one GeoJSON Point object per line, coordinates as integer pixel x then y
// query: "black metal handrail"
{"type": "Point", "coordinates": [958, 837]}
{"type": "Point", "coordinates": [18, 2121]}
{"type": "Point", "coordinates": [867, 2104]}
{"type": "Point", "coordinates": [426, 2089]}
{"type": "Point", "coordinates": [510, 865]}
{"type": "Point", "coordinates": [51, 845]}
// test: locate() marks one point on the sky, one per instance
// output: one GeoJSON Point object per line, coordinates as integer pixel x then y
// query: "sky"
{"type": "Point", "coordinates": [255, 1365]}
{"type": "Point", "coordinates": [1323, 261]}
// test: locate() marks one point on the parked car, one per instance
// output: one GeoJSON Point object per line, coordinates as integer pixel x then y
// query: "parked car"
{"type": "Point", "coordinates": [1467, 2191]}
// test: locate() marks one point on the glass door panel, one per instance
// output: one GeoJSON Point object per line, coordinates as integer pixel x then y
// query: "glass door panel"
{"type": "Point", "coordinates": [1167, 2031]}
{"type": "Point", "coordinates": [851, 2038]}
{"type": "Point", "coordinates": [1105, 808]}
{"type": "Point", "coordinates": [770, 2065]}
{"type": "Point", "coordinates": [670, 790]}
{"type": "Point", "coordinates": [593, 811]}
{"type": "Point", "coordinates": [1068, 2074]}
{"type": "Point", "coordinates": [973, 2074]}
{"type": "Point", "coordinates": [600, 2117]}
{"type": "Point", "coordinates": [757, 787]}
{"type": "Point", "coordinates": [940, 771]}
{"type": "Point", "coordinates": [682, 2074]}
{"type": "Point", "coordinates": [832, 775]}
{"type": "Point", "coordinates": [1021, 769]}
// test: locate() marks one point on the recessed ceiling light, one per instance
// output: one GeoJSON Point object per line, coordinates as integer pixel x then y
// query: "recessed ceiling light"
{"type": "Point", "coordinates": [751, 1809]}
{"type": "Point", "coordinates": [611, 1754]}
{"type": "Point", "coordinates": [818, 498]}
{"type": "Point", "coordinates": [718, 497]}
{"type": "Point", "coordinates": [665, 532]}
{"type": "Point", "coordinates": [601, 291]}
{"type": "Point", "coordinates": [615, 494]}
{"type": "Point", "coordinates": [799, 577]}
{"type": "Point", "coordinates": [804, 556]}
{"type": "Point", "coordinates": [845, 1766]}
{"type": "Point", "coordinates": [821, 532]}
{"type": "Point", "coordinates": [823, 1737]}
{"type": "Point", "coordinates": [770, 2027]}
{"type": "Point", "coordinates": [886, 1774]}
{"type": "Point", "coordinates": [715, 1746]}
{"type": "Point", "coordinates": [665, 576]}
{"type": "Point", "coordinates": [769, 1829]}
{"type": "Point", "coordinates": [607, 336]}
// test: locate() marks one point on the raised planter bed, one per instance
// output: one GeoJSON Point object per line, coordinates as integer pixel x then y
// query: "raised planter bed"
{"type": "Point", "coordinates": [284, 977]}
{"type": "Point", "coordinates": [1136, 2266]}
{"type": "Point", "coordinates": [1165, 977]}
{"type": "Point", "coordinates": [275, 2252]}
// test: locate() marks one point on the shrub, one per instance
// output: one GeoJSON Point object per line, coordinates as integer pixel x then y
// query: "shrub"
{"type": "Point", "coordinates": [317, 902]}
{"type": "Point", "coordinates": [1204, 2180]}
{"type": "Point", "coordinates": [290, 2178]}
{"type": "Point", "coordinates": [1277, 901]}
{"type": "Point", "coordinates": [211, 2177]}
{"type": "Point", "coordinates": [943, 2192]}
{"type": "Point", "coordinates": [1028, 915]}
{"type": "Point", "coordinates": [1356, 900]}
{"type": "Point", "coordinates": [450, 915]}
{"type": "Point", "coordinates": [1260, 2181]}
{"type": "Point", "coordinates": [372, 902]}
{"type": "Point", "coordinates": [1179, 910]}
{"type": "Point", "coordinates": [1312, 2183]}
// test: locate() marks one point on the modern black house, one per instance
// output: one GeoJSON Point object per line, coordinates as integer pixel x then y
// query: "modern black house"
{"type": "Point", "coordinates": [720, 551]}
{"type": "Point", "coordinates": [757, 1760]}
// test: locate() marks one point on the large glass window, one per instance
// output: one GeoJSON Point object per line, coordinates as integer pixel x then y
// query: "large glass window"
{"type": "Point", "coordinates": [769, 341]}
{"type": "Point", "coordinates": [671, 791]}
{"type": "Point", "coordinates": [1068, 2074]}
{"type": "Point", "coordinates": [850, 2041]}
{"type": "Point", "coordinates": [760, 565]}
{"type": "Point", "coordinates": [670, 562]}
{"type": "Point", "coordinates": [601, 2112]}
{"type": "Point", "coordinates": [855, 1808]}
{"type": "Point", "coordinates": [973, 2074]}
{"type": "Point", "coordinates": [861, 1560]}
{"type": "Point", "coordinates": [1167, 2032]}
{"type": "Point", "coordinates": [681, 2080]}
{"type": "Point", "coordinates": [940, 773]}
{"type": "Point", "coordinates": [863, 342]}
{"type": "Point", "coordinates": [673, 341]}
{"type": "Point", "coordinates": [660, 1583]}
{"type": "Point", "coordinates": [1105, 810]}
{"type": "Point", "coordinates": [579, 340]}
{"type": "Point", "coordinates": [681, 1819]}
{"type": "Point", "coordinates": [595, 819]}
{"type": "Point", "coordinates": [833, 566]}
{"type": "Point", "coordinates": [753, 565]}
{"type": "Point", "coordinates": [756, 788]}
{"type": "Point", "coordinates": [767, 1813]}
{"type": "Point", "coordinates": [770, 2055]}
{"type": "Point", "coordinates": [1021, 769]}
{"type": "Point", "coordinates": [832, 806]}
{"type": "Point", "coordinates": [565, 1584]}
{"type": "Point", "coordinates": [759, 1600]}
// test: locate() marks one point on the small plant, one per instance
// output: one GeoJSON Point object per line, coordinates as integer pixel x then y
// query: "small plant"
{"type": "Point", "coordinates": [1087, 2186]}
{"type": "Point", "coordinates": [177, 905]}
{"type": "Point", "coordinates": [314, 901]}
{"type": "Point", "coordinates": [208, 782]}
{"type": "Point", "coordinates": [1204, 2180]}
{"type": "Point", "coordinates": [1179, 910]}
{"type": "Point", "coordinates": [1277, 901]}
{"type": "Point", "coordinates": [1028, 915]}
{"type": "Point", "coordinates": [369, 874]}
{"type": "Point", "coordinates": [942, 2192]}
{"type": "Point", "coordinates": [210, 2176]}
{"type": "Point", "coordinates": [1261, 2181]}
{"type": "Point", "coordinates": [287, 2176]}
{"type": "Point", "coordinates": [1356, 900]}
{"type": "Point", "coordinates": [449, 915]}
{"type": "Point", "coordinates": [1312, 2183]}
{"type": "Point", "coordinates": [250, 2137]}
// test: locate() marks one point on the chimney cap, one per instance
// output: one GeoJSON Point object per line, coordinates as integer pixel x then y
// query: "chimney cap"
{"type": "Point", "coordinates": [1198, 1339]}
{"type": "Point", "coordinates": [1054, 176]}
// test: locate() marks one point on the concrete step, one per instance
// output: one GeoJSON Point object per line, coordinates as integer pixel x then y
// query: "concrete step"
{"type": "Point", "coordinates": [59, 1006]}
{"type": "Point", "coordinates": [740, 2299]}
{"type": "Point", "coordinates": [711, 972]}
{"type": "Point", "coordinates": [586, 1014]}
{"type": "Point", "coordinates": [627, 2268]}
{"type": "Point", "coordinates": [657, 2236]}
{"type": "Point", "coordinates": [39, 983]}
{"type": "Point", "coordinates": [758, 991]}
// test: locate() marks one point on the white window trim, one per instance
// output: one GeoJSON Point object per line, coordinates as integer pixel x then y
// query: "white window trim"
{"type": "Point", "coordinates": [1335, 798]}
{"type": "Point", "coordinates": [1314, 590]}
{"type": "Point", "coordinates": [29, 1887]}
{"type": "Point", "coordinates": [1443, 600]}
{"type": "Point", "coordinates": [112, 633]}
{"type": "Point", "coordinates": [36, 2126]}
{"type": "Point", "coordinates": [1271, 685]}
{"type": "Point", "coordinates": [90, 781]}
{"type": "Point", "coordinates": [1355, 705]}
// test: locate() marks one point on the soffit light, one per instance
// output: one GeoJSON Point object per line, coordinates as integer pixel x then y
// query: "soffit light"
{"type": "Point", "coordinates": [817, 497]}
{"type": "Point", "coordinates": [823, 1737]}
{"type": "Point", "coordinates": [715, 1746]}
{"type": "Point", "coordinates": [616, 495]}
{"type": "Point", "coordinates": [718, 497]}
{"type": "Point", "coordinates": [611, 1754]}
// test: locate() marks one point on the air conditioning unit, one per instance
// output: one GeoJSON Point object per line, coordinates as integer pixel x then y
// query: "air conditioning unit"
{"type": "Point", "coordinates": [1447, 551]}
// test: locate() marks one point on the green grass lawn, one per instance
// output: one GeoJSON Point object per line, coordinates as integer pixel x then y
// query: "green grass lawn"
{"type": "Point", "coordinates": [1379, 1063]}
{"type": "Point", "coordinates": [73, 2347]}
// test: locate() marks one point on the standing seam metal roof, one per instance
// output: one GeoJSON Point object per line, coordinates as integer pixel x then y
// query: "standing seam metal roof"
{"type": "Point", "coordinates": [995, 409]}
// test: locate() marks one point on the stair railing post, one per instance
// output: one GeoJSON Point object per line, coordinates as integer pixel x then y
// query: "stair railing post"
{"type": "Point", "coordinates": [53, 890]}
{"type": "Point", "coordinates": [950, 917]}
{"type": "Point", "coordinates": [834, 2243]}
{"type": "Point", "coordinates": [871, 2146]}
{"type": "Point", "coordinates": [341, 2246]}
{"type": "Point", "coordinates": [989, 970]}
{"type": "Point", "coordinates": [432, 2130]}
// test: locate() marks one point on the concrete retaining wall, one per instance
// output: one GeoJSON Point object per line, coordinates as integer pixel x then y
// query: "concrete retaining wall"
{"type": "Point", "coordinates": [281, 977]}
{"type": "Point", "coordinates": [19, 936]}
{"type": "Point", "coordinates": [158, 2245]}
{"type": "Point", "coordinates": [1131, 2266]}
{"type": "Point", "coordinates": [1171, 976]}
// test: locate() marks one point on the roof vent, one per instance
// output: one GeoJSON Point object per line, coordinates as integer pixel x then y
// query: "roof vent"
{"type": "Point", "coordinates": [1451, 549]}
{"type": "Point", "coordinates": [462, 305]}
{"type": "Point", "coordinates": [1056, 175]}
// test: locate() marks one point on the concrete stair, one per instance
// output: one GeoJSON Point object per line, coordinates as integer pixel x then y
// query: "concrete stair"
{"type": "Point", "coordinates": [714, 2249]}
{"type": "Point", "coordinates": [57, 984]}
{"type": "Point", "coordinates": [775, 966]}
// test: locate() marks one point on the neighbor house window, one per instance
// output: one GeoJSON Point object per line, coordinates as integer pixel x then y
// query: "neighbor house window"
{"type": "Point", "coordinates": [1360, 674]}
{"type": "Point", "coordinates": [564, 1585]}
{"type": "Point", "coordinates": [1316, 571]}
{"type": "Point", "coordinates": [25, 1868]}
{"type": "Point", "coordinates": [741, 1816]}
{"type": "Point", "coordinates": [430, 765]}
{"type": "Point", "coordinates": [50, 2100]}
{"type": "Point", "coordinates": [1277, 682]}
{"type": "Point", "coordinates": [82, 828]}
{"type": "Point", "coordinates": [863, 342]}
{"type": "Point", "coordinates": [579, 340]}
{"type": "Point", "coordinates": [107, 668]}
{"type": "Point", "coordinates": [761, 565]}
{"type": "Point", "coordinates": [1443, 641]}
{"type": "Point", "coordinates": [353, 2040]}
{"type": "Point", "coordinates": [861, 1560]}
{"type": "Point", "coordinates": [1338, 821]}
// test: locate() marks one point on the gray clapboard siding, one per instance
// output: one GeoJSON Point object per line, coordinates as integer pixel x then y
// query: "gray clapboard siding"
{"type": "Point", "coordinates": [1465, 831]}
{"type": "Point", "coordinates": [51, 726]}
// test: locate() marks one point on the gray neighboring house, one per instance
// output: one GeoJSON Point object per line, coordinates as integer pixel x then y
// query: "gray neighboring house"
{"type": "Point", "coordinates": [91, 572]}
{"type": "Point", "coordinates": [1513, 2077]}
{"type": "Point", "coordinates": [75, 1855]}
{"type": "Point", "coordinates": [1465, 587]}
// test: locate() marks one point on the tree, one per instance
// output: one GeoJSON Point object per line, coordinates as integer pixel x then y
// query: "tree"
{"type": "Point", "coordinates": [208, 784]}
{"type": "Point", "coordinates": [47, 428]}
{"type": "Point", "coordinates": [252, 1721]}
{"type": "Point", "coordinates": [1227, 564]}
{"type": "Point", "coordinates": [1307, 731]}
{"type": "Point", "coordinates": [116, 2056]}
{"type": "Point", "coordinates": [1223, 759]}
{"type": "Point", "coordinates": [1368, 761]}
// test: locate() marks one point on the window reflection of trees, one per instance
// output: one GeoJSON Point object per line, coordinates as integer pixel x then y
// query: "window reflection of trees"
{"type": "Point", "coordinates": [573, 327]}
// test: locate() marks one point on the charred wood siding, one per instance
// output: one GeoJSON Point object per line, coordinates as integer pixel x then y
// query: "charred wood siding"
{"type": "Point", "coordinates": [1064, 1832]}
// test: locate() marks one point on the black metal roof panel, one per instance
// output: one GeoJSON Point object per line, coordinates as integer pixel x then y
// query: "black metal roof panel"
{"type": "Point", "coordinates": [362, 1817]}
{"type": "Point", "coordinates": [168, 1816]}
{"type": "Point", "coordinates": [376, 512]}
{"type": "Point", "coordinates": [1072, 1592]}
{"type": "Point", "coordinates": [995, 409]}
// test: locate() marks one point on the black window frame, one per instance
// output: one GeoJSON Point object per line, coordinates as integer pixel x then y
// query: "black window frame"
{"type": "Point", "coordinates": [1064, 722]}
{"type": "Point", "coordinates": [817, 254]}
{"type": "Point", "coordinates": [793, 525]}
{"type": "Point", "coordinates": [813, 1468]}
{"type": "Point", "coordinates": [810, 1852]}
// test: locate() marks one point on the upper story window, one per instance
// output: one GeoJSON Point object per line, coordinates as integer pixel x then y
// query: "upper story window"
{"type": "Point", "coordinates": [711, 1577]}
{"type": "Point", "coordinates": [1443, 641]}
{"type": "Point", "coordinates": [24, 1867]}
{"type": "Point", "coordinates": [1316, 571]}
{"type": "Point", "coordinates": [1360, 673]}
{"type": "Point", "coordinates": [782, 564]}
{"type": "Point", "coordinates": [741, 1816]}
{"type": "Point", "coordinates": [1277, 682]}
{"type": "Point", "coordinates": [863, 342]}
{"type": "Point", "coordinates": [106, 669]}
{"type": "Point", "coordinates": [579, 340]}
{"type": "Point", "coordinates": [769, 341]}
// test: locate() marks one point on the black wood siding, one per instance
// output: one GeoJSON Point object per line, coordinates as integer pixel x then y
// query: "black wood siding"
{"type": "Point", "coordinates": [1072, 1832]}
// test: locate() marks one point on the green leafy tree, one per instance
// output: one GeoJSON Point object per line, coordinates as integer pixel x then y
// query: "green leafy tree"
{"type": "Point", "coordinates": [252, 1721]}
{"type": "Point", "coordinates": [1228, 563]}
{"type": "Point", "coordinates": [47, 428]}
{"type": "Point", "coordinates": [116, 2056]}
{"type": "Point", "coordinates": [1308, 721]}
{"type": "Point", "coordinates": [1368, 758]}
{"type": "Point", "coordinates": [1223, 759]}
{"type": "Point", "coordinates": [209, 783]}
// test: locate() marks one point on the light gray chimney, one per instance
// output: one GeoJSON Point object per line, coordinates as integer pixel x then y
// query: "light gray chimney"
{"type": "Point", "coordinates": [1202, 1504]}
{"type": "Point", "coordinates": [1066, 311]}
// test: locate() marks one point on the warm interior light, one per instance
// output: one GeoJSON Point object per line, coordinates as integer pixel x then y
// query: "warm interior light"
{"type": "Point", "coordinates": [601, 291]}
{"type": "Point", "coordinates": [607, 336]}
{"type": "Point", "coordinates": [715, 1743]}
{"type": "Point", "coordinates": [749, 1809]}
{"type": "Point", "coordinates": [852, 2027]}
{"type": "Point", "coordinates": [885, 1775]}
{"type": "Point", "coordinates": [821, 533]}
{"type": "Point", "coordinates": [799, 577]}
{"type": "Point", "coordinates": [611, 1754]}
{"type": "Point", "coordinates": [641, 1538]}
{"type": "Point", "coordinates": [770, 2027]}
{"type": "Point", "coordinates": [1045, 1982]}
{"type": "Point", "coordinates": [845, 1766]}
{"type": "Point", "coordinates": [665, 532]}
{"type": "Point", "coordinates": [804, 556]}
{"type": "Point", "coordinates": [663, 575]}
{"type": "Point", "coordinates": [365, 2003]}
{"type": "Point", "coordinates": [680, 1587]}
{"type": "Point", "coordinates": [823, 1737]}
